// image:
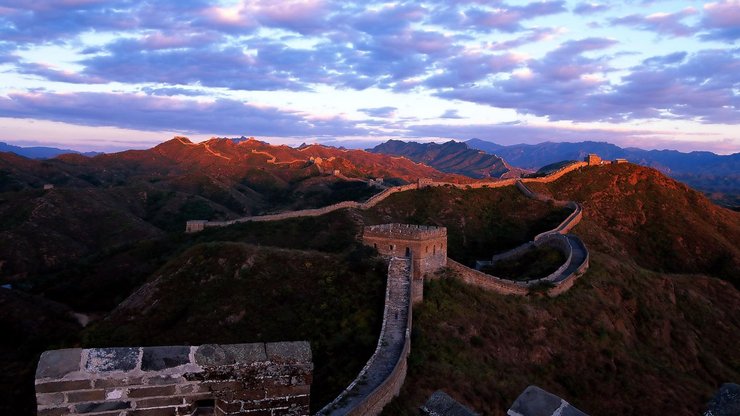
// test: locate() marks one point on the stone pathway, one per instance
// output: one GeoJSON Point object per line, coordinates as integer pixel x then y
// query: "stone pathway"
{"type": "Point", "coordinates": [579, 256]}
{"type": "Point", "coordinates": [390, 344]}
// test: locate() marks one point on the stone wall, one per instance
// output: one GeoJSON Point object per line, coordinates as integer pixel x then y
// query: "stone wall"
{"type": "Point", "coordinates": [562, 279]}
{"type": "Point", "coordinates": [425, 245]}
{"type": "Point", "coordinates": [383, 375]}
{"type": "Point", "coordinates": [486, 281]}
{"type": "Point", "coordinates": [237, 379]}
{"type": "Point", "coordinates": [199, 225]}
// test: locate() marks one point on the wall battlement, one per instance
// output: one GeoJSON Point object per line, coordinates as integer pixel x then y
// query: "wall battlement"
{"type": "Point", "coordinates": [236, 379]}
{"type": "Point", "coordinates": [405, 231]}
{"type": "Point", "coordinates": [425, 245]}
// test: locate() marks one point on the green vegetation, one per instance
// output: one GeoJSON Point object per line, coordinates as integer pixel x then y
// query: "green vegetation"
{"type": "Point", "coordinates": [662, 224]}
{"type": "Point", "coordinates": [480, 222]}
{"type": "Point", "coordinates": [618, 324]}
{"type": "Point", "coordinates": [233, 293]}
{"type": "Point", "coordinates": [341, 191]}
{"type": "Point", "coordinates": [99, 282]}
{"type": "Point", "coordinates": [533, 264]}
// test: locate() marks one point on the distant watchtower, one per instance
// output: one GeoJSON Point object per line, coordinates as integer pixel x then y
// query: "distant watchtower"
{"type": "Point", "coordinates": [425, 245]}
{"type": "Point", "coordinates": [593, 159]}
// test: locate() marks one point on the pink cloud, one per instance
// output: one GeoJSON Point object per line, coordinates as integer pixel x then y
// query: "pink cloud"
{"type": "Point", "coordinates": [725, 14]}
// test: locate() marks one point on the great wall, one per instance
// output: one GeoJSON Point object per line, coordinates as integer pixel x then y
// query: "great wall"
{"type": "Point", "coordinates": [79, 385]}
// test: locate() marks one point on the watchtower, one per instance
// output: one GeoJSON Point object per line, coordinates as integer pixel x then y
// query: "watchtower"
{"type": "Point", "coordinates": [592, 159]}
{"type": "Point", "coordinates": [425, 245]}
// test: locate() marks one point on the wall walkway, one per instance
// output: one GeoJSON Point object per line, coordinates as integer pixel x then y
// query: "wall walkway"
{"type": "Point", "coordinates": [383, 375]}
{"type": "Point", "coordinates": [562, 279]}
{"type": "Point", "coordinates": [199, 225]}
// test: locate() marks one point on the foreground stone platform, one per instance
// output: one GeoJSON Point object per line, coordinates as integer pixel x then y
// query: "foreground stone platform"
{"type": "Point", "coordinates": [235, 379]}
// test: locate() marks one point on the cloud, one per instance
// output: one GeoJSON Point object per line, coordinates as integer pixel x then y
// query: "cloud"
{"type": "Point", "coordinates": [509, 18]}
{"type": "Point", "coordinates": [721, 21]}
{"type": "Point", "coordinates": [450, 114]}
{"type": "Point", "coordinates": [170, 91]}
{"type": "Point", "coordinates": [53, 74]}
{"type": "Point", "coordinates": [143, 112]}
{"type": "Point", "coordinates": [668, 24]}
{"type": "Point", "coordinates": [470, 67]}
{"type": "Point", "coordinates": [672, 58]}
{"type": "Point", "coordinates": [380, 112]}
{"type": "Point", "coordinates": [564, 85]}
{"type": "Point", "coordinates": [590, 8]}
{"type": "Point", "coordinates": [531, 36]}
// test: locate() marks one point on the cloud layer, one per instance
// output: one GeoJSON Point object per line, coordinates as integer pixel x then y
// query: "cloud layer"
{"type": "Point", "coordinates": [177, 61]}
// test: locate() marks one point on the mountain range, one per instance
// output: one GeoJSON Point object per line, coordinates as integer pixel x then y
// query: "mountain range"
{"type": "Point", "coordinates": [40, 152]}
{"type": "Point", "coordinates": [716, 175]}
{"type": "Point", "coordinates": [659, 302]}
{"type": "Point", "coordinates": [452, 157]}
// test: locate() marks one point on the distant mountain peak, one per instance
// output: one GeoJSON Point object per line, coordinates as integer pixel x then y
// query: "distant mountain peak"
{"type": "Point", "coordinates": [451, 156]}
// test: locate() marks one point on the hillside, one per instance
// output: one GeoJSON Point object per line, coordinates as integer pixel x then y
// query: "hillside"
{"type": "Point", "coordinates": [623, 321]}
{"type": "Point", "coordinates": [652, 307]}
{"type": "Point", "coordinates": [119, 198]}
{"type": "Point", "coordinates": [29, 325]}
{"type": "Point", "coordinates": [452, 157]}
{"type": "Point", "coordinates": [660, 223]}
{"type": "Point", "coordinates": [716, 175]}
{"type": "Point", "coordinates": [480, 222]}
{"type": "Point", "coordinates": [236, 293]}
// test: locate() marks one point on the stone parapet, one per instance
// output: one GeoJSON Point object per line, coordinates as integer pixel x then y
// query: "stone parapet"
{"type": "Point", "coordinates": [236, 379]}
{"type": "Point", "coordinates": [405, 231]}
{"type": "Point", "coordinates": [383, 375]}
{"type": "Point", "coordinates": [199, 225]}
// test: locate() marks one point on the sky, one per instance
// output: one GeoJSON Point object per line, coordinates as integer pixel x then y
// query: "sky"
{"type": "Point", "coordinates": [111, 75]}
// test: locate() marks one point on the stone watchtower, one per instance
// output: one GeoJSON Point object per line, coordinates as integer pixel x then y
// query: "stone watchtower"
{"type": "Point", "coordinates": [425, 245]}
{"type": "Point", "coordinates": [592, 159]}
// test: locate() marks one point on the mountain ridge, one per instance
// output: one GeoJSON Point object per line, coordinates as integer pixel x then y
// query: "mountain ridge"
{"type": "Point", "coordinates": [451, 156]}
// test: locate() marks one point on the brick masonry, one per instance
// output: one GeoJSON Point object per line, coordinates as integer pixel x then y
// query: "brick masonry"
{"type": "Point", "coordinates": [425, 245]}
{"type": "Point", "coordinates": [236, 379]}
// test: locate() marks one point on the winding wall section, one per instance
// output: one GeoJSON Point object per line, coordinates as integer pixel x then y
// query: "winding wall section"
{"type": "Point", "coordinates": [561, 280]}
{"type": "Point", "coordinates": [383, 375]}
{"type": "Point", "coordinates": [199, 225]}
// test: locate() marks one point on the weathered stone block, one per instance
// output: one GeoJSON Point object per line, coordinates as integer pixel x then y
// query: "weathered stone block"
{"type": "Point", "coordinates": [159, 358]}
{"type": "Point", "coordinates": [85, 396]}
{"type": "Point", "coordinates": [112, 359]}
{"type": "Point", "coordinates": [159, 402]}
{"type": "Point", "coordinates": [439, 403]}
{"type": "Point", "coordinates": [101, 407]}
{"type": "Point", "coordinates": [58, 363]}
{"type": "Point", "coordinates": [281, 391]}
{"type": "Point", "coordinates": [49, 399]}
{"type": "Point", "coordinates": [229, 406]}
{"type": "Point", "coordinates": [193, 388]}
{"type": "Point", "coordinates": [289, 352]}
{"type": "Point", "coordinates": [164, 380]}
{"type": "Point", "coordinates": [726, 402]}
{"type": "Point", "coordinates": [162, 411]}
{"type": "Point", "coordinates": [215, 355]}
{"type": "Point", "coordinates": [537, 402]}
{"type": "Point", "coordinates": [56, 386]}
{"type": "Point", "coordinates": [151, 391]}
{"type": "Point", "coordinates": [104, 383]}
{"type": "Point", "coordinates": [54, 411]}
